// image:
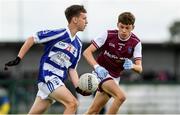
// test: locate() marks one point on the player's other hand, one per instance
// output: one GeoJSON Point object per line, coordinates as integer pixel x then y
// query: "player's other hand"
{"type": "Point", "coordinates": [12, 63]}
{"type": "Point", "coordinates": [78, 90]}
{"type": "Point", "coordinates": [128, 64]}
{"type": "Point", "coordinates": [101, 72]}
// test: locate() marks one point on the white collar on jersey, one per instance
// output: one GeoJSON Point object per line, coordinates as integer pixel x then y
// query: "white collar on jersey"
{"type": "Point", "coordinates": [68, 31]}
{"type": "Point", "coordinates": [125, 39]}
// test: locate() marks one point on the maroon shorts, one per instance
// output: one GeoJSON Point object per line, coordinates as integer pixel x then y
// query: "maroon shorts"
{"type": "Point", "coordinates": [100, 85]}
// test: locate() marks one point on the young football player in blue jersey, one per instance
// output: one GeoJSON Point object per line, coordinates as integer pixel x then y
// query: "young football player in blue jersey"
{"type": "Point", "coordinates": [118, 47]}
{"type": "Point", "coordinates": [62, 53]}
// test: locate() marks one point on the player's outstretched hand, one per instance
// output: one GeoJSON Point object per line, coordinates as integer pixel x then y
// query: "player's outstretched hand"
{"type": "Point", "coordinates": [128, 64]}
{"type": "Point", "coordinates": [82, 92]}
{"type": "Point", "coordinates": [12, 63]}
{"type": "Point", "coordinates": [101, 72]}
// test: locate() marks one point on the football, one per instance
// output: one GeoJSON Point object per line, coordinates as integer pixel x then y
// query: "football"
{"type": "Point", "coordinates": [88, 82]}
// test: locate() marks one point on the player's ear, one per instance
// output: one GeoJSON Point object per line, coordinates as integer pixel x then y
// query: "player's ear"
{"type": "Point", "coordinates": [75, 19]}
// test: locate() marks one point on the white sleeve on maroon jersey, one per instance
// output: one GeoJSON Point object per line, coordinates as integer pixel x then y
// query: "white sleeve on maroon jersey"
{"type": "Point", "coordinates": [137, 51]}
{"type": "Point", "coordinates": [100, 39]}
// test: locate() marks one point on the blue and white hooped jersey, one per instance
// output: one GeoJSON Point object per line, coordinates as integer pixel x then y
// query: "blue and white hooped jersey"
{"type": "Point", "coordinates": [61, 53]}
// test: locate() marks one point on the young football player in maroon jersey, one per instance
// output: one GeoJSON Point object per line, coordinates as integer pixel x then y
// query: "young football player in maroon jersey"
{"type": "Point", "coordinates": [120, 50]}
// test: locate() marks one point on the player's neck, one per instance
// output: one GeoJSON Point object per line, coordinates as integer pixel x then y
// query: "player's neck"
{"type": "Point", "coordinates": [72, 30]}
{"type": "Point", "coordinates": [124, 39]}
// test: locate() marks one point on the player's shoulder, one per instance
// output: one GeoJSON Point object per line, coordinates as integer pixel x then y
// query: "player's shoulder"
{"type": "Point", "coordinates": [135, 38]}
{"type": "Point", "coordinates": [59, 30]}
{"type": "Point", "coordinates": [51, 31]}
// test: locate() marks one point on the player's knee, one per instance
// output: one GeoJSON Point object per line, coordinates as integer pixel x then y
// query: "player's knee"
{"type": "Point", "coordinates": [76, 103]}
{"type": "Point", "coordinates": [121, 98]}
{"type": "Point", "coordinates": [73, 104]}
{"type": "Point", "coordinates": [96, 111]}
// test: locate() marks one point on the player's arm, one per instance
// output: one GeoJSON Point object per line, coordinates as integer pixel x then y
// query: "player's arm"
{"type": "Point", "coordinates": [96, 43]}
{"type": "Point", "coordinates": [24, 49]}
{"type": "Point", "coordinates": [137, 66]}
{"type": "Point", "coordinates": [88, 55]}
{"type": "Point", "coordinates": [39, 37]}
{"type": "Point", "coordinates": [137, 55]}
{"type": "Point", "coordinates": [74, 76]}
{"type": "Point", "coordinates": [26, 46]}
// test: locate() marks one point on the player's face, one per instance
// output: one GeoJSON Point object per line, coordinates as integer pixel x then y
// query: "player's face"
{"type": "Point", "coordinates": [124, 30]}
{"type": "Point", "coordinates": [81, 21]}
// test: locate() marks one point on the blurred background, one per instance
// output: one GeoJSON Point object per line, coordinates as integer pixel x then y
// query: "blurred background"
{"type": "Point", "coordinates": [155, 91]}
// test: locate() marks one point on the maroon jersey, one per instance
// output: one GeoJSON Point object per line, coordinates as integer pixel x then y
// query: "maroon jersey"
{"type": "Point", "coordinates": [114, 50]}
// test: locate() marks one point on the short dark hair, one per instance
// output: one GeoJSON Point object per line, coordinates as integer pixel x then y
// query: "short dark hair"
{"type": "Point", "coordinates": [126, 18]}
{"type": "Point", "coordinates": [74, 10]}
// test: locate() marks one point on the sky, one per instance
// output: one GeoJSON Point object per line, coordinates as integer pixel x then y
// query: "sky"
{"type": "Point", "coordinates": [22, 18]}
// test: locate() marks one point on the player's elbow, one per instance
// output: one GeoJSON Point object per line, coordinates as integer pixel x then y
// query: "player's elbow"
{"type": "Point", "coordinates": [85, 53]}
{"type": "Point", "coordinates": [140, 70]}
